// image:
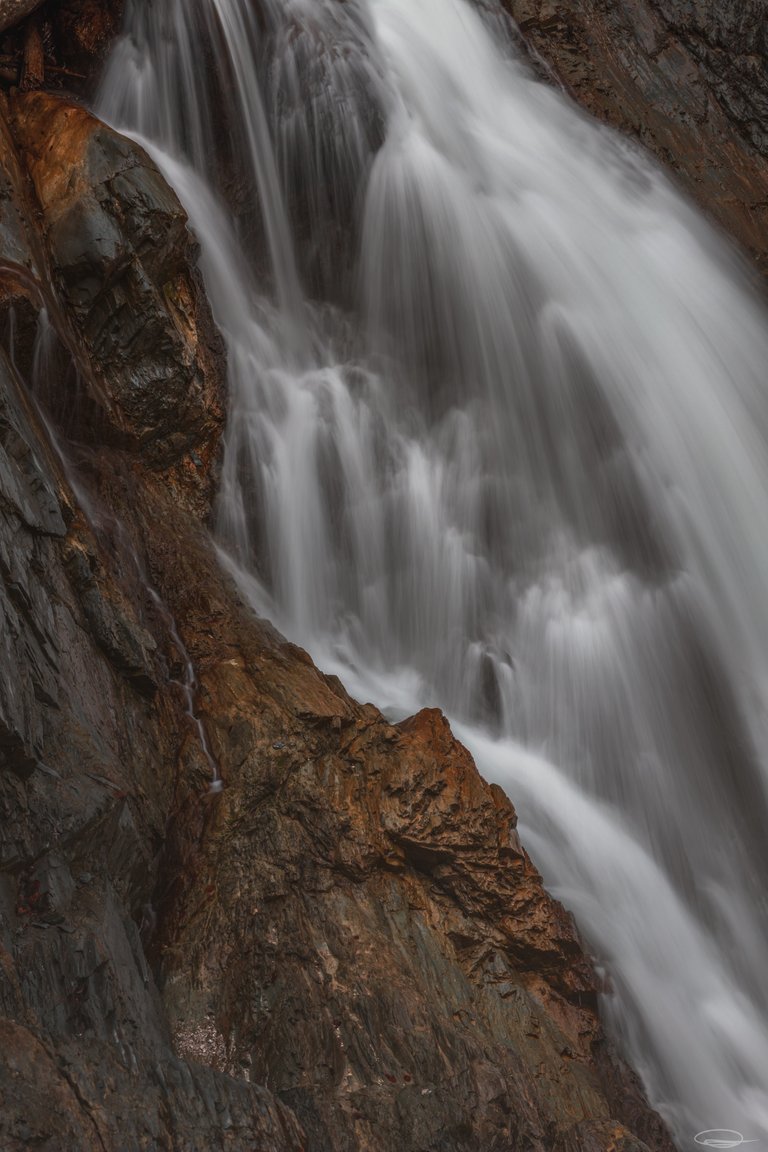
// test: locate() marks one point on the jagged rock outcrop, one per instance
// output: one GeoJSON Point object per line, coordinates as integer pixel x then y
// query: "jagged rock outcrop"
{"type": "Point", "coordinates": [687, 79]}
{"type": "Point", "coordinates": [347, 948]}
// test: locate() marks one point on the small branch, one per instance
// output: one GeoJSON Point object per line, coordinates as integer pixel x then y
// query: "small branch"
{"type": "Point", "coordinates": [10, 66]}
{"type": "Point", "coordinates": [65, 72]}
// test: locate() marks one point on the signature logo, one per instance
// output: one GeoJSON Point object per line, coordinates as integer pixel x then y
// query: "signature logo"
{"type": "Point", "coordinates": [722, 1138]}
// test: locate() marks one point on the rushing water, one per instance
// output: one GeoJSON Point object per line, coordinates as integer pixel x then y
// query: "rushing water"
{"type": "Point", "coordinates": [498, 441]}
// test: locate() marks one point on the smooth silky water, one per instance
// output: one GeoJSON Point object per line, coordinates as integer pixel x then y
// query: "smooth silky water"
{"type": "Point", "coordinates": [498, 442]}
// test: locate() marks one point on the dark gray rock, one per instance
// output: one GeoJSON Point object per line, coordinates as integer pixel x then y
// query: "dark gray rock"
{"type": "Point", "coordinates": [123, 262]}
{"type": "Point", "coordinates": [30, 518]}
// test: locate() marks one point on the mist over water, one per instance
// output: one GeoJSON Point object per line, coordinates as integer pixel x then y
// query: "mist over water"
{"type": "Point", "coordinates": [498, 442]}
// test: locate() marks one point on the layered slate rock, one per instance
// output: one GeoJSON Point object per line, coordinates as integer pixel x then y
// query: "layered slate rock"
{"type": "Point", "coordinates": [31, 523]}
{"type": "Point", "coordinates": [347, 948]}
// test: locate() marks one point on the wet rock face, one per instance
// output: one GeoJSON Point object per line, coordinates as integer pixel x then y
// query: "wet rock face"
{"type": "Point", "coordinates": [686, 77]}
{"type": "Point", "coordinates": [29, 646]}
{"type": "Point", "coordinates": [124, 267]}
{"type": "Point", "coordinates": [91, 724]}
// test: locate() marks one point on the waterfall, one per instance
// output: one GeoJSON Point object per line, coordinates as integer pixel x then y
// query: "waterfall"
{"type": "Point", "coordinates": [498, 442]}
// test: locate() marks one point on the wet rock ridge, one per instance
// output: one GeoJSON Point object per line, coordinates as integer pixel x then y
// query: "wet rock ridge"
{"type": "Point", "coordinates": [686, 78]}
{"type": "Point", "coordinates": [346, 949]}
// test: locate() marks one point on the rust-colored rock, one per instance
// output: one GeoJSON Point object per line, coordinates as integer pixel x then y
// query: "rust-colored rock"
{"type": "Point", "coordinates": [127, 288]}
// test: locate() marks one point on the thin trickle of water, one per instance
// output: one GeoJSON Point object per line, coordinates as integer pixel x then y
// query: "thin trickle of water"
{"type": "Point", "coordinates": [177, 99]}
{"type": "Point", "coordinates": [498, 441]}
{"type": "Point", "coordinates": [189, 687]}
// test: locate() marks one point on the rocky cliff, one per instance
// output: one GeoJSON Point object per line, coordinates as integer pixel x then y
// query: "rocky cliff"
{"type": "Point", "coordinates": [347, 947]}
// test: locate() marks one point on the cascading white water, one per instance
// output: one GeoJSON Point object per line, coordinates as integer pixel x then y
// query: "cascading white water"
{"type": "Point", "coordinates": [498, 441]}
